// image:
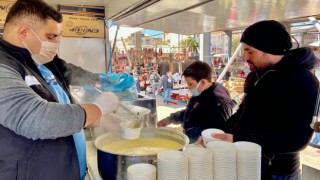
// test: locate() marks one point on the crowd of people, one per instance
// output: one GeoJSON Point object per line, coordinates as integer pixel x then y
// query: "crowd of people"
{"type": "Point", "coordinates": [41, 125]}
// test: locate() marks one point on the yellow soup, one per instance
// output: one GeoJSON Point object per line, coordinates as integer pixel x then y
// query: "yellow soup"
{"type": "Point", "coordinates": [141, 146]}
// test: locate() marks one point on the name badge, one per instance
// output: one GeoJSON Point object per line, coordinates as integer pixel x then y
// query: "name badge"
{"type": "Point", "coordinates": [31, 80]}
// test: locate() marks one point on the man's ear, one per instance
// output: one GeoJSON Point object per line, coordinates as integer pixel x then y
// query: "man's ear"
{"type": "Point", "coordinates": [22, 32]}
{"type": "Point", "coordinates": [203, 82]}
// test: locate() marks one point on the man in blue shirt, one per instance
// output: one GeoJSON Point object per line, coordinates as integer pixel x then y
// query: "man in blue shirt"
{"type": "Point", "coordinates": [40, 127]}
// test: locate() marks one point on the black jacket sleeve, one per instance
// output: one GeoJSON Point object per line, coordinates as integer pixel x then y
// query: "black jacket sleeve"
{"type": "Point", "coordinates": [177, 117]}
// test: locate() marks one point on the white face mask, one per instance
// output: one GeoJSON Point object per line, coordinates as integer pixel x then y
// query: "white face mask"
{"type": "Point", "coordinates": [195, 91]}
{"type": "Point", "coordinates": [48, 51]}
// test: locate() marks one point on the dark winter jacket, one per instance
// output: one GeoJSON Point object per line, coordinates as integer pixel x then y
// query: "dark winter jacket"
{"type": "Point", "coordinates": [35, 134]}
{"type": "Point", "coordinates": [210, 109]}
{"type": "Point", "coordinates": [277, 111]}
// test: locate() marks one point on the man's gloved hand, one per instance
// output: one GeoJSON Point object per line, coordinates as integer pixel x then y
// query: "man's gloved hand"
{"type": "Point", "coordinates": [111, 123]}
{"type": "Point", "coordinates": [107, 102]}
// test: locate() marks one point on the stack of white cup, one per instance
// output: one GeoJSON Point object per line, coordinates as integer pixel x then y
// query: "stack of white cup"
{"type": "Point", "coordinates": [200, 163]}
{"type": "Point", "coordinates": [141, 171]}
{"type": "Point", "coordinates": [224, 160]}
{"type": "Point", "coordinates": [248, 160]}
{"type": "Point", "coordinates": [172, 165]}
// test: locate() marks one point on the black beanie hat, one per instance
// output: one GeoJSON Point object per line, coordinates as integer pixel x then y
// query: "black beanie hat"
{"type": "Point", "coordinates": [268, 36]}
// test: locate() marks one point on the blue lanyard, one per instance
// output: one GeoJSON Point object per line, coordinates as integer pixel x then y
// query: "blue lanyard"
{"type": "Point", "coordinates": [79, 138]}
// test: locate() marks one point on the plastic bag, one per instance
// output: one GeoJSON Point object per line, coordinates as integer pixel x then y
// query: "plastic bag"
{"type": "Point", "coordinates": [122, 85]}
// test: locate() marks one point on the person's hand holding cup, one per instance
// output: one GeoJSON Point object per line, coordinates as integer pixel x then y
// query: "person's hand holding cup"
{"type": "Point", "coordinates": [207, 135]}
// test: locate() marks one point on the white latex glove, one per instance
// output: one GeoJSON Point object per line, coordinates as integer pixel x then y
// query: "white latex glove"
{"type": "Point", "coordinates": [107, 102]}
{"type": "Point", "coordinates": [111, 123]}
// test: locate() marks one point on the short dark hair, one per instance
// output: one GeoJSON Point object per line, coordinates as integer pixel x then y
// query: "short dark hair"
{"type": "Point", "coordinates": [33, 10]}
{"type": "Point", "coordinates": [198, 70]}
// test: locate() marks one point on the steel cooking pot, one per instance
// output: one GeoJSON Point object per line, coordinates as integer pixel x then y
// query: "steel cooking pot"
{"type": "Point", "coordinates": [113, 166]}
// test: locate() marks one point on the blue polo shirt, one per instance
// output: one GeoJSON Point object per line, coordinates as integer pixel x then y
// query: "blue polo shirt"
{"type": "Point", "coordinates": [79, 138]}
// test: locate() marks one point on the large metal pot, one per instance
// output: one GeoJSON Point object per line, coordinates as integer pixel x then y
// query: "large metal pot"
{"type": "Point", "coordinates": [114, 166]}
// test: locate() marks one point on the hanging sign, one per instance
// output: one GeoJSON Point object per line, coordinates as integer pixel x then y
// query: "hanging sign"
{"type": "Point", "coordinates": [82, 26]}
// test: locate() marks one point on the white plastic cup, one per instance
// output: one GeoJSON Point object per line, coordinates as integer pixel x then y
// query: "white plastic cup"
{"type": "Point", "coordinates": [171, 155]}
{"type": "Point", "coordinates": [129, 133]}
{"type": "Point", "coordinates": [141, 171]}
{"type": "Point", "coordinates": [207, 135]}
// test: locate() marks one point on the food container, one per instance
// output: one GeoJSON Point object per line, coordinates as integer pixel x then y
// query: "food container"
{"type": "Point", "coordinates": [128, 131]}
{"type": "Point", "coordinates": [113, 166]}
